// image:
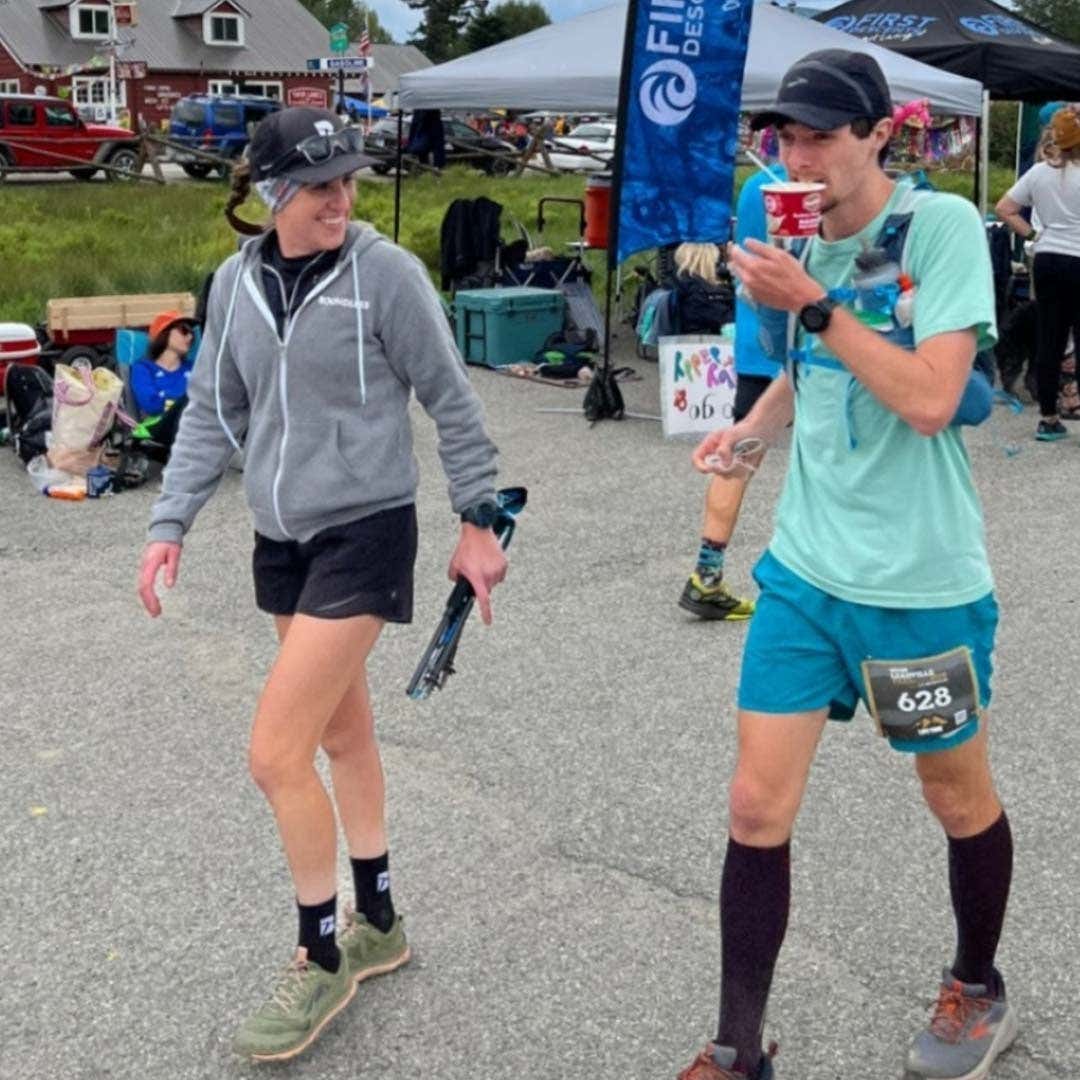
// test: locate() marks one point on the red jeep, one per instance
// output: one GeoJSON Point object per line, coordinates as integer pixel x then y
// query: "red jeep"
{"type": "Point", "coordinates": [46, 134]}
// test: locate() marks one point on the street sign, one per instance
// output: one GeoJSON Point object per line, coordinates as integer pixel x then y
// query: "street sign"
{"type": "Point", "coordinates": [340, 63]}
{"type": "Point", "coordinates": [339, 38]}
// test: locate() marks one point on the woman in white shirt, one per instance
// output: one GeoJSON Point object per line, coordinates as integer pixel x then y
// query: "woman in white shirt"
{"type": "Point", "coordinates": [1052, 188]}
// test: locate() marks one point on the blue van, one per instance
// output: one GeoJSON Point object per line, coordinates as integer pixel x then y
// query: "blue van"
{"type": "Point", "coordinates": [219, 125]}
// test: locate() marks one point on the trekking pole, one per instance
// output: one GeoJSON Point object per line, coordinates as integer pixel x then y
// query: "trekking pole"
{"type": "Point", "coordinates": [437, 663]}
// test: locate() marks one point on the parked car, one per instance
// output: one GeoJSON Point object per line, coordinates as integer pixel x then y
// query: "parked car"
{"type": "Point", "coordinates": [586, 147]}
{"type": "Point", "coordinates": [383, 140]}
{"type": "Point", "coordinates": [46, 134]}
{"type": "Point", "coordinates": [218, 125]}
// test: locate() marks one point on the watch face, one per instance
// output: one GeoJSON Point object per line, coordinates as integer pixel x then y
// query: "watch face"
{"type": "Point", "coordinates": [482, 515]}
{"type": "Point", "coordinates": [815, 317]}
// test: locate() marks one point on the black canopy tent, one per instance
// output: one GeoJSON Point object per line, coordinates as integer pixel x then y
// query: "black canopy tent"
{"type": "Point", "coordinates": [1013, 59]}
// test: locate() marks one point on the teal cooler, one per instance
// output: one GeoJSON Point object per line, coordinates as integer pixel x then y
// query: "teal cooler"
{"type": "Point", "coordinates": [506, 326]}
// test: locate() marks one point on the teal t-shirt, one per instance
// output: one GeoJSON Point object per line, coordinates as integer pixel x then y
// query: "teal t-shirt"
{"type": "Point", "coordinates": [873, 512]}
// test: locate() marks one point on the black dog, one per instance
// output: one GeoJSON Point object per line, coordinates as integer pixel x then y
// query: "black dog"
{"type": "Point", "coordinates": [1015, 350]}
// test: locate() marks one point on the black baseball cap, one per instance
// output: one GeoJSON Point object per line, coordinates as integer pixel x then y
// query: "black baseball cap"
{"type": "Point", "coordinates": [310, 146]}
{"type": "Point", "coordinates": [828, 89]}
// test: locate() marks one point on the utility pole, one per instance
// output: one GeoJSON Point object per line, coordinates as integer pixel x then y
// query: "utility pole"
{"type": "Point", "coordinates": [112, 62]}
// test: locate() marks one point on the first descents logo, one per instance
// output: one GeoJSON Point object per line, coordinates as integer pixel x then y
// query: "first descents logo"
{"type": "Point", "coordinates": [668, 92]}
{"type": "Point", "coordinates": [668, 89]}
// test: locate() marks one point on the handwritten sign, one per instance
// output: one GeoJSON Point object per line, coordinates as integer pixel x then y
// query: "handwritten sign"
{"type": "Point", "coordinates": [697, 384]}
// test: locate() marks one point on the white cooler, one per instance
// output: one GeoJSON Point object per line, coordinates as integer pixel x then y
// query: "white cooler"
{"type": "Point", "coordinates": [17, 342]}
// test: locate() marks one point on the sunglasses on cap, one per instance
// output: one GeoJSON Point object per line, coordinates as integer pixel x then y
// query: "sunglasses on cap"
{"type": "Point", "coordinates": [316, 149]}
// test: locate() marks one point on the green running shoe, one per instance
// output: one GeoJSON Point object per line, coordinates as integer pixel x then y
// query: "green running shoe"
{"type": "Point", "coordinates": [368, 951]}
{"type": "Point", "coordinates": [710, 599]}
{"type": "Point", "coordinates": [305, 999]}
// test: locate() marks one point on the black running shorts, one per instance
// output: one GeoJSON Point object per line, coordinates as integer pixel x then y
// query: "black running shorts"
{"type": "Point", "coordinates": [748, 388]}
{"type": "Point", "coordinates": [363, 567]}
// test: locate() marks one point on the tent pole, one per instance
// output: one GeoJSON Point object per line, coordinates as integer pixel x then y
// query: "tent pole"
{"type": "Point", "coordinates": [397, 174]}
{"type": "Point", "coordinates": [984, 154]}
{"type": "Point", "coordinates": [976, 183]}
{"type": "Point", "coordinates": [607, 322]}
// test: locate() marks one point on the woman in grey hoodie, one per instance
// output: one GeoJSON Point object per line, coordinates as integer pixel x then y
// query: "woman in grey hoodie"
{"type": "Point", "coordinates": [317, 332]}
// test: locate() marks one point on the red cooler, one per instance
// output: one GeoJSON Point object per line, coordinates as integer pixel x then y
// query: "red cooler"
{"type": "Point", "coordinates": [17, 342]}
{"type": "Point", "coordinates": [597, 209]}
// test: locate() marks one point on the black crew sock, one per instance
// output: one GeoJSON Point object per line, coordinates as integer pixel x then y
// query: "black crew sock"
{"type": "Point", "coordinates": [372, 880]}
{"type": "Point", "coordinates": [318, 923]}
{"type": "Point", "coordinates": [980, 873]}
{"type": "Point", "coordinates": [755, 895]}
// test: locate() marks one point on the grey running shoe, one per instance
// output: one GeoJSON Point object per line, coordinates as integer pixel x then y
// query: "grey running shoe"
{"type": "Point", "coordinates": [304, 1000]}
{"type": "Point", "coordinates": [968, 1030]}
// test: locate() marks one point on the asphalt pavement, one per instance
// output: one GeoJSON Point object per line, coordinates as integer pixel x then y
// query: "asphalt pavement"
{"type": "Point", "coordinates": [558, 811]}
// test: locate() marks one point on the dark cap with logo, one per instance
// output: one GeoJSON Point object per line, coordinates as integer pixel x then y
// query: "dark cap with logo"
{"type": "Point", "coordinates": [276, 147]}
{"type": "Point", "coordinates": [828, 89]}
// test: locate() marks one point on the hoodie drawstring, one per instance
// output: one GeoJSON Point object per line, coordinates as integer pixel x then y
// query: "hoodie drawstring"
{"type": "Point", "coordinates": [359, 329]}
{"type": "Point", "coordinates": [217, 363]}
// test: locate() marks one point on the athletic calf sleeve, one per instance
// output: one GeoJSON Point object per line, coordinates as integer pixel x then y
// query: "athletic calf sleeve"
{"type": "Point", "coordinates": [755, 895]}
{"type": "Point", "coordinates": [980, 873]}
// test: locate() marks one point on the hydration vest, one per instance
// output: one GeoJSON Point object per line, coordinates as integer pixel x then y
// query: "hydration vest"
{"type": "Point", "coordinates": [977, 401]}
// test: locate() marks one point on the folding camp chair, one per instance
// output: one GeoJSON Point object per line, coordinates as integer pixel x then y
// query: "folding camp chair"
{"type": "Point", "coordinates": [462, 266]}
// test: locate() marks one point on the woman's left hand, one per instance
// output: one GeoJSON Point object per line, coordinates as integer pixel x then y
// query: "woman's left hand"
{"type": "Point", "coordinates": [480, 559]}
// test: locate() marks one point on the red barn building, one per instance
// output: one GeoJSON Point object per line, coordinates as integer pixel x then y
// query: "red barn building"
{"type": "Point", "coordinates": [165, 49]}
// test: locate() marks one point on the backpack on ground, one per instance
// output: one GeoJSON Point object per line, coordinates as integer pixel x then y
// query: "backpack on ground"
{"type": "Point", "coordinates": [29, 394]}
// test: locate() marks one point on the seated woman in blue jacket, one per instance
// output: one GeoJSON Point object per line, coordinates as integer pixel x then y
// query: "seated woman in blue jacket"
{"type": "Point", "coordinates": [159, 383]}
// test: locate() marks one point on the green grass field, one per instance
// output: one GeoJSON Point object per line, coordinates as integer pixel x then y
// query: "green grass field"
{"type": "Point", "coordinates": [77, 239]}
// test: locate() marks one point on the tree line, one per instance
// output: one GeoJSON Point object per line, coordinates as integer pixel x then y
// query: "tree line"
{"type": "Point", "coordinates": [448, 28]}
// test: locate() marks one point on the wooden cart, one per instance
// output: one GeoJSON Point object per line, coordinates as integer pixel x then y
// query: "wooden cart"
{"type": "Point", "coordinates": [85, 326]}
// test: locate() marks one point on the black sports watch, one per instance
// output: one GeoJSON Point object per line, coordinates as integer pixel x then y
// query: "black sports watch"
{"type": "Point", "coordinates": [815, 317]}
{"type": "Point", "coordinates": [481, 514]}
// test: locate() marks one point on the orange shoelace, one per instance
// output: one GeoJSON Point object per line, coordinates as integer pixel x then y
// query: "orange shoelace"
{"type": "Point", "coordinates": [953, 1011]}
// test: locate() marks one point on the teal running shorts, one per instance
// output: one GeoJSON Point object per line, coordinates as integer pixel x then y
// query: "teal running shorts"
{"type": "Point", "coordinates": [805, 648]}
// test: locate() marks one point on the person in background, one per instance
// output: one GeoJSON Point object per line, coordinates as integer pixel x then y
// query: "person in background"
{"type": "Point", "coordinates": [159, 383]}
{"type": "Point", "coordinates": [1052, 188]}
{"type": "Point", "coordinates": [705, 593]}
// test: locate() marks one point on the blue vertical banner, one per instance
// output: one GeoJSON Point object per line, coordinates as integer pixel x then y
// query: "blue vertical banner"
{"type": "Point", "coordinates": [678, 123]}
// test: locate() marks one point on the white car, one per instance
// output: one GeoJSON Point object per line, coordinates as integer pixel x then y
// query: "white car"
{"type": "Point", "coordinates": [588, 147]}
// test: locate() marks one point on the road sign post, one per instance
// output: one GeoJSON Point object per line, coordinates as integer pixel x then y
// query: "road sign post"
{"type": "Point", "coordinates": [341, 65]}
{"type": "Point", "coordinates": [339, 44]}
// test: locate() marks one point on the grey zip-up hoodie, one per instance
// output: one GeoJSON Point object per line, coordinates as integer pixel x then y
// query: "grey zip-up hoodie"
{"type": "Point", "coordinates": [322, 412]}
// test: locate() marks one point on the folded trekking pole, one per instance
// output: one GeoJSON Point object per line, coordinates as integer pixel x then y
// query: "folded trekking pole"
{"type": "Point", "coordinates": [437, 663]}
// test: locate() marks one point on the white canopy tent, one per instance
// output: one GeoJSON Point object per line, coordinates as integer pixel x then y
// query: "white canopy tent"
{"type": "Point", "coordinates": [574, 66]}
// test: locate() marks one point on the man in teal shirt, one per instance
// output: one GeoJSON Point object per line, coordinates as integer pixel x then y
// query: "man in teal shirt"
{"type": "Point", "coordinates": [876, 584]}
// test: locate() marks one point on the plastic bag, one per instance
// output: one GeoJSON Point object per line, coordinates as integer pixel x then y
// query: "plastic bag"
{"type": "Point", "coordinates": [43, 475]}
